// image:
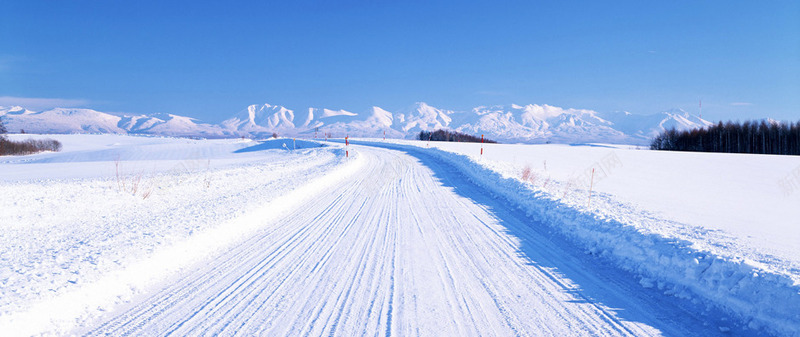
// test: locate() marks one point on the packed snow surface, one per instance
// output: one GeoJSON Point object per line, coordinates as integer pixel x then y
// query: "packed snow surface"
{"type": "Point", "coordinates": [290, 237]}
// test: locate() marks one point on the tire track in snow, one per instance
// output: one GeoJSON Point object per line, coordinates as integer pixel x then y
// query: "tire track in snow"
{"type": "Point", "coordinates": [418, 253]}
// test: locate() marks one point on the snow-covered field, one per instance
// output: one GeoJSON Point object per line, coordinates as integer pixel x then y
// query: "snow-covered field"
{"type": "Point", "coordinates": [89, 227]}
{"type": "Point", "coordinates": [141, 236]}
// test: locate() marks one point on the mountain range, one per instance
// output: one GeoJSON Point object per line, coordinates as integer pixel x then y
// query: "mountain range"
{"type": "Point", "coordinates": [507, 123]}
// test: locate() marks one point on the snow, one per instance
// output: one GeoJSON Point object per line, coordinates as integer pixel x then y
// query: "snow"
{"type": "Point", "coordinates": [719, 227]}
{"type": "Point", "coordinates": [83, 239]}
{"type": "Point", "coordinates": [736, 193]}
{"type": "Point", "coordinates": [86, 156]}
{"type": "Point", "coordinates": [405, 245]}
{"type": "Point", "coordinates": [127, 235]}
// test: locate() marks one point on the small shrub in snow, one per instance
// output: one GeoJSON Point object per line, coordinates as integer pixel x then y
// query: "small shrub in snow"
{"type": "Point", "coordinates": [567, 188]}
{"type": "Point", "coordinates": [526, 173]}
{"type": "Point", "coordinates": [133, 184]}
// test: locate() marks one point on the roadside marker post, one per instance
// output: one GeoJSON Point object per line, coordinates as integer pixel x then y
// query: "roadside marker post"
{"type": "Point", "coordinates": [346, 146]}
{"type": "Point", "coordinates": [384, 135]}
{"type": "Point", "coordinates": [481, 145]}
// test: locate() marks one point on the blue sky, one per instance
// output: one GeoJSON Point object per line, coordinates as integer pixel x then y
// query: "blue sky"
{"type": "Point", "coordinates": [211, 59]}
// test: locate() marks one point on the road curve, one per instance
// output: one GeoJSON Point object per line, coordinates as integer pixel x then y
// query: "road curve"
{"type": "Point", "coordinates": [408, 246]}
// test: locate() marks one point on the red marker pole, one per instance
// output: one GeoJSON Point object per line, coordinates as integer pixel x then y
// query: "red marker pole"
{"type": "Point", "coordinates": [346, 146]}
{"type": "Point", "coordinates": [481, 145]}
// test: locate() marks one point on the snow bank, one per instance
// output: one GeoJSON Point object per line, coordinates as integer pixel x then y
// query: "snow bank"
{"type": "Point", "coordinates": [762, 299]}
{"type": "Point", "coordinates": [288, 144]}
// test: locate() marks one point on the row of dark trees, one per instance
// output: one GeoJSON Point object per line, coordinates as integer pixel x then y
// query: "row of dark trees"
{"type": "Point", "coordinates": [28, 146]}
{"type": "Point", "coordinates": [450, 136]}
{"type": "Point", "coordinates": [749, 137]}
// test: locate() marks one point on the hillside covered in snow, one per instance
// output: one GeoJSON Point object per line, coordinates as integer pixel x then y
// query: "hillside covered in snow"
{"type": "Point", "coordinates": [507, 123]}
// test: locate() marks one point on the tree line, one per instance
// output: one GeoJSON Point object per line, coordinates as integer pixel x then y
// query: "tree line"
{"type": "Point", "coordinates": [451, 136]}
{"type": "Point", "coordinates": [28, 146]}
{"type": "Point", "coordinates": [760, 137]}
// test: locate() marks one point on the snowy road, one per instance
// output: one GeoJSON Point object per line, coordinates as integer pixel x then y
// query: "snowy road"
{"type": "Point", "coordinates": [407, 246]}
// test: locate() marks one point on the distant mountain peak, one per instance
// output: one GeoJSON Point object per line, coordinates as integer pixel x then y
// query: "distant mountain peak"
{"type": "Point", "coordinates": [15, 110]}
{"type": "Point", "coordinates": [677, 111]}
{"type": "Point", "coordinates": [531, 123]}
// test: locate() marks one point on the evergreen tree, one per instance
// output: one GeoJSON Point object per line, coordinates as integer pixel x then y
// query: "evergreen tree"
{"type": "Point", "coordinates": [749, 137]}
{"type": "Point", "coordinates": [3, 130]}
{"type": "Point", "coordinates": [451, 136]}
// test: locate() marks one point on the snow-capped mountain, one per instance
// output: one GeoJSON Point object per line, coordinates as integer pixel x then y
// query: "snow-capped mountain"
{"type": "Point", "coordinates": [647, 126]}
{"type": "Point", "coordinates": [422, 116]}
{"type": "Point", "coordinates": [542, 123]}
{"type": "Point", "coordinates": [370, 123]}
{"type": "Point", "coordinates": [179, 126]}
{"type": "Point", "coordinates": [61, 120]}
{"type": "Point", "coordinates": [506, 123]}
{"type": "Point", "coordinates": [261, 120]}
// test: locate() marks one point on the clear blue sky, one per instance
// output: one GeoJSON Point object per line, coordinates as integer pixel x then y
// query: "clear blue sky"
{"type": "Point", "coordinates": [211, 59]}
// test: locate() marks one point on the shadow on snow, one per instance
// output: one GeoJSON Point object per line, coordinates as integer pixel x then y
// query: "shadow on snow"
{"type": "Point", "coordinates": [590, 279]}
